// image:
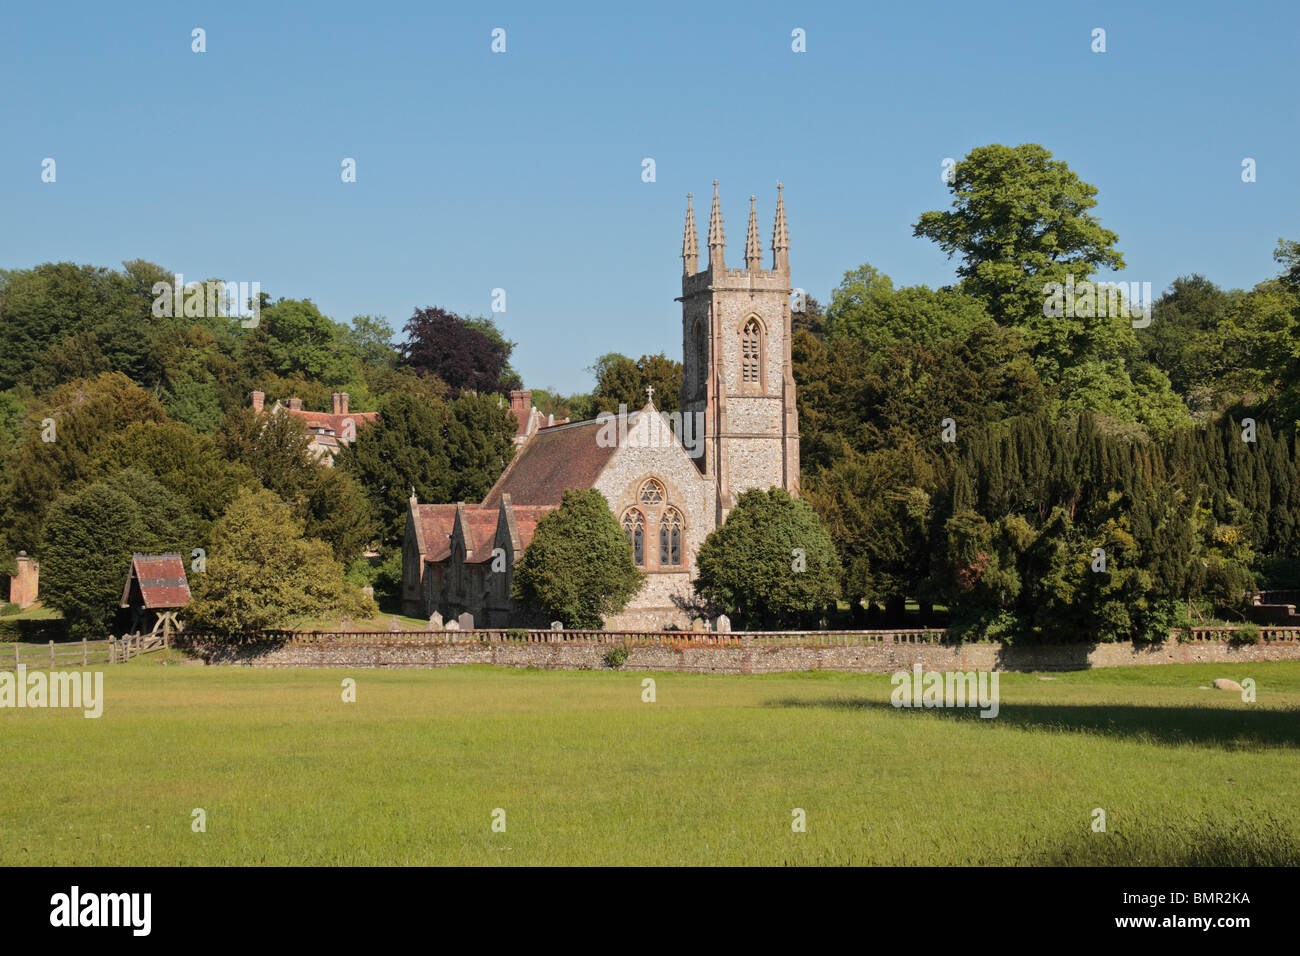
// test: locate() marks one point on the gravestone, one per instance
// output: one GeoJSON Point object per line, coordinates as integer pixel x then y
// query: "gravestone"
{"type": "Point", "coordinates": [699, 624]}
{"type": "Point", "coordinates": [723, 624]}
{"type": "Point", "coordinates": [557, 625]}
{"type": "Point", "coordinates": [466, 621]}
{"type": "Point", "coordinates": [451, 626]}
{"type": "Point", "coordinates": [368, 591]}
{"type": "Point", "coordinates": [435, 621]}
{"type": "Point", "coordinates": [394, 624]}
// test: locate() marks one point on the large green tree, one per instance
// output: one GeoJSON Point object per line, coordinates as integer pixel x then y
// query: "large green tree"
{"type": "Point", "coordinates": [264, 572]}
{"type": "Point", "coordinates": [771, 563]}
{"type": "Point", "coordinates": [578, 568]}
{"type": "Point", "coordinates": [89, 538]}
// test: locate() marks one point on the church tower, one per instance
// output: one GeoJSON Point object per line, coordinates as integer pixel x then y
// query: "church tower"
{"type": "Point", "coordinates": [737, 368]}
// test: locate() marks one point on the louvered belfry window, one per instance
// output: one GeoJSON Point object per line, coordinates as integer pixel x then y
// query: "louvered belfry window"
{"type": "Point", "coordinates": [750, 352]}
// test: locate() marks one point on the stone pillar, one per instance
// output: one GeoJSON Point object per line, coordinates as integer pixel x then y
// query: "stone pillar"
{"type": "Point", "coordinates": [24, 584]}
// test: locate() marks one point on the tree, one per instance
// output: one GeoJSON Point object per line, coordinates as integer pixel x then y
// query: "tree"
{"type": "Point", "coordinates": [1019, 219]}
{"type": "Point", "coordinates": [263, 573]}
{"type": "Point", "coordinates": [85, 413]}
{"type": "Point", "coordinates": [619, 380]}
{"type": "Point", "coordinates": [406, 449]}
{"type": "Point", "coordinates": [479, 442]}
{"type": "Point", "coordinates": [459, 352]}
{"type": "Point", "coordinates": [578, 568]}
{"type": "Point", "coordinates": [187, 464]}
{"type": "Point", "coordinates": [771, 563]}
{"type": "Point", "coordinates": [276, 447]}
{"type": "Point", "coordinates": [90, 537]}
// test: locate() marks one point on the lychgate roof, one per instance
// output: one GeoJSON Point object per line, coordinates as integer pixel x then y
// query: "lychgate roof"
{"type": "Point", "coordinates": [161, 581]}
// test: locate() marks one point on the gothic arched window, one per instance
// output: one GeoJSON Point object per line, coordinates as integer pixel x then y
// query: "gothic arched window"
{"type": "Point", "coordinates": [634, 525]}
{"type": "Point", "coordinates": [670, 538]}
{"type": "Point", "coordinates": [652, 492]}
{"type": "Point", "coordinates": [751, 352]}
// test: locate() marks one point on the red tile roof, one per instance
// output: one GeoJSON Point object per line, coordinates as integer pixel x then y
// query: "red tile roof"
{"type": "Point", "coordinates": [161, 579]}
{"type": "Point", "coordinates": [526, 518]}
{"type": "Point", "coordinates": [481, 529]}
{"type": "Point", "coordinates": [436, 522]}
{"type": "Point", "coordinates": [329, 422]}
{"type": "Point", "coordinates": [553, 460]}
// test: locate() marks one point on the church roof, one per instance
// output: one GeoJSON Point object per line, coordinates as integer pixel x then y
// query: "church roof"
{"type": "Point", "coordinates": [436, 522]}
{"type": "Point", "coordinates": [480, 532]}
{"type": "Point", "coordinates": [553, 460]}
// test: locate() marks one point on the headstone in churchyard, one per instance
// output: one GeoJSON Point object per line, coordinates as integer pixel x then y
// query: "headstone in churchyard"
{"type": "Point", "coordinates": [435, 621]}
{"type": "Point", "coordinates": [451, 626]}
{"type": "Point", "coordinates": [723, 624]}
{"type": "Point", "coordinates": [368, 591]}
{"type": "Point", "coordinates": [466, 621]}
{"type": "Point", "coordinates": [699, 624]}
{"type": "Point", "coordinates": [557, 625]}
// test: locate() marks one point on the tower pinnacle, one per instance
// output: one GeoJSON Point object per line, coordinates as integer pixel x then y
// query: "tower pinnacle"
{"type": "Point", "coordinates": [780, 235]}
{"type": "Point", "coordinates": [753, 247]}
{"type": "Point", "coordinates": [690, 244]}
{"type": "Point", "coordinates": [717, 236]}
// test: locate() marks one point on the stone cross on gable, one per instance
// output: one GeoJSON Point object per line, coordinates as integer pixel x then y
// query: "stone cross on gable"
{"type": "Point", "coordinates": [650, 392]}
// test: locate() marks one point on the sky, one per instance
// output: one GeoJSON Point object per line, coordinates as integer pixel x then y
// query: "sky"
{"type": "Point", "coordinates": [524, 170]}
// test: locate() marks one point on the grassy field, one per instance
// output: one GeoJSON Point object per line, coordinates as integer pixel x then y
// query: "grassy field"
{"type": "Point", "coordinates": [708, 774]}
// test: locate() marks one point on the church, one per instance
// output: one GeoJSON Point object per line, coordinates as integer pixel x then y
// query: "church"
{"type": "Point", "coordinates": [668, 486]}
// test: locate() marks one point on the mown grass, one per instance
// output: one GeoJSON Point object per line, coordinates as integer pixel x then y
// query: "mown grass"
{"type": "Point", "coordinates": [708, 774]}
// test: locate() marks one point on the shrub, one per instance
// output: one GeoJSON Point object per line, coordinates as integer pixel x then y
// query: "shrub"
{"type": "Point", "coordinates": [617, 656]}
{"type": "Point", "coordinates": [1247, 633]}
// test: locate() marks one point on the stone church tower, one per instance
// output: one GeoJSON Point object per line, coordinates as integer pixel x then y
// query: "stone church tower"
{"type": "Point", "coordinates": [736, 359]}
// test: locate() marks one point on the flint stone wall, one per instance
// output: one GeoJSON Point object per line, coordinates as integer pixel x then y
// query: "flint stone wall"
{"type": "Point", "coordinates": [732, 654]}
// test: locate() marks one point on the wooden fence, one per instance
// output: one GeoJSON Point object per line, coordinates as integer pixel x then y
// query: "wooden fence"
{"type": "Point", "coordinates": [115, 651]}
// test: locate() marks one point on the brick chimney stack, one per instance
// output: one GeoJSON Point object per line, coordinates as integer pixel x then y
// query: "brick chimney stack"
{"type": "Point", "coordinates": [295, 404]}
{"type": "Point", "coordinates": [259, 398]}
{"type": "Point", "coordinates": [335, 398]}
{"type": "Point", "coordinates": [343, 402]}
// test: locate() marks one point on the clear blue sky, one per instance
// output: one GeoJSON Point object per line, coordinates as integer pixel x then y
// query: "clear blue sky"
{"type": "Point", "coordinates": [522, 170]}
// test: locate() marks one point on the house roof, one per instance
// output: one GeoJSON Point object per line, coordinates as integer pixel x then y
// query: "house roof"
{"type": "Point", "coordinates": [162, 581]}
{"type": "Point", "coordinates": [553, 460]}
{"type": "Point", "coordinates": [329, 422]}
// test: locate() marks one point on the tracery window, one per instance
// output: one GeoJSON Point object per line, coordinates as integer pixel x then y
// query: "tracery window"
{"type": "Point", "coordinates": [652, 492]}
{"type": "Point", "coordinates": [634, 526]}
{"type": "Point", "coordinates": [670, 538]}
{"type": "Point", "coordinates": [750, 352]}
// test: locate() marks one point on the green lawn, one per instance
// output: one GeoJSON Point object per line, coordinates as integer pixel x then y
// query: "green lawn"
{"type": "Point", "coordinates": [708, 774]}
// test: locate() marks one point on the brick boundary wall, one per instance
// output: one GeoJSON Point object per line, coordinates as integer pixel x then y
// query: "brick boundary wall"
{"type": "Point", "coordinates": [740, 653]}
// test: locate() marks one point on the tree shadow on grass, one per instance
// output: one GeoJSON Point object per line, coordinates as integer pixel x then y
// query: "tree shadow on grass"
{"type": "Point", "coordinates": [1209, 840]}
{"type": "Point", "coordinates": [1228, 728]}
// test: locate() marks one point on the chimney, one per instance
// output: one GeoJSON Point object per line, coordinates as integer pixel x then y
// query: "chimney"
{"type": "Point", "coordinates": [335, 397]}
{"type": "Point", "coordinates": [343, 403]}
{"type": "Point", "coordinates": [258, 399]}
{"type": "Point", "coordinates": [295, 404]}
